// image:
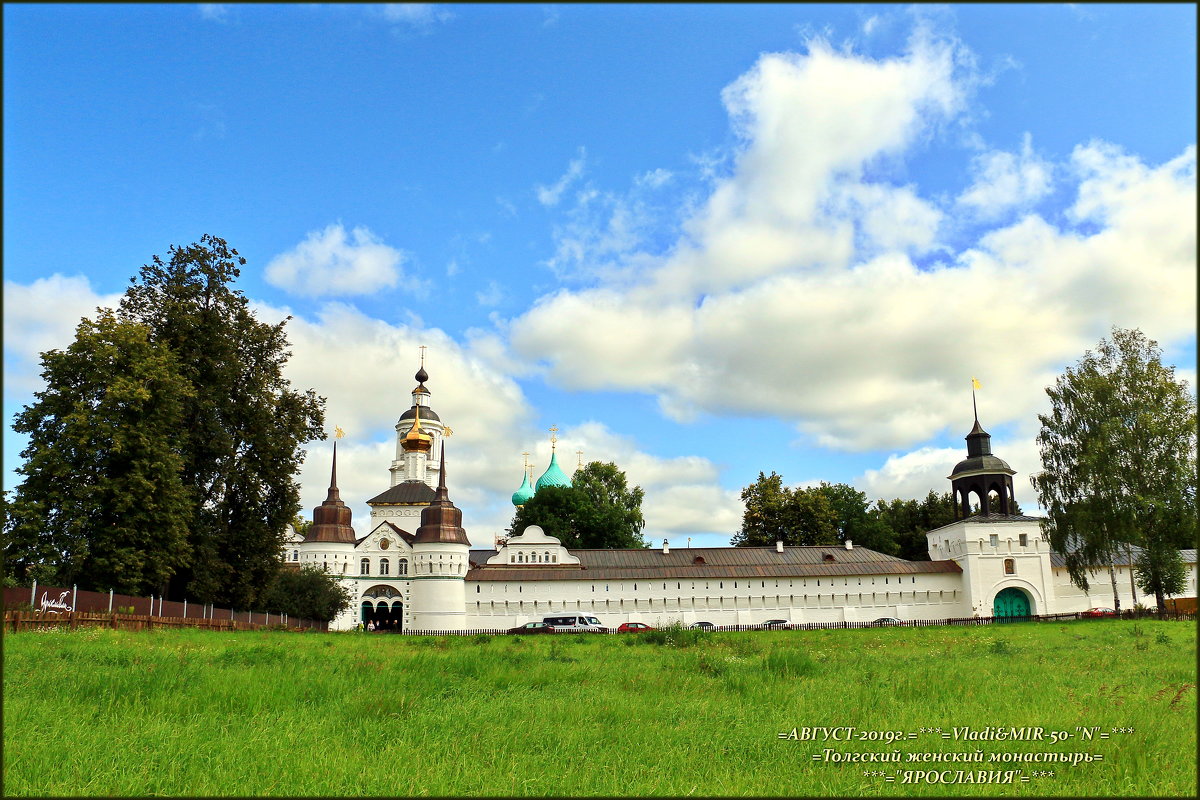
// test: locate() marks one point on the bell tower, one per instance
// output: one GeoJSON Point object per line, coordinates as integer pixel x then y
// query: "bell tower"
{"type": "Point", "coordinates": [981, 474]}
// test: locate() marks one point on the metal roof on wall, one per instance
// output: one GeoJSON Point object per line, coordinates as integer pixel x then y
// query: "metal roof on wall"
{"type": "Point", "coordinates": [718, 562]}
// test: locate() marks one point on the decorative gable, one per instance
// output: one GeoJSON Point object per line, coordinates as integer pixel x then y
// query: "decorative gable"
{"type": "Point", "coordinates": [534, 548]}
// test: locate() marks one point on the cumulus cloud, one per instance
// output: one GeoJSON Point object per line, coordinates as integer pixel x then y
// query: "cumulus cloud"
{"type": "Point", "coordinates": [331, 263]}
{"type": "Point", "coordinates": [365, 367]}
{"type": "Point", "coordinates": [1004, 181]}
{"type": "Point", "coordinates": [43, 316]}
{"type": "Point", "coordinates": [683, 495]}
{"type": "Point", "coordinates": [795, 279]}
{"type": "Point", "coordinates": [911, 475]}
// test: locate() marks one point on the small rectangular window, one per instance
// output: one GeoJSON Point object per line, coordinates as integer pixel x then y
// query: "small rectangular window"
{"type": "Point", "coordinates": [1024, 540]}
{"type": "Point", "coordinates": [995, 540]}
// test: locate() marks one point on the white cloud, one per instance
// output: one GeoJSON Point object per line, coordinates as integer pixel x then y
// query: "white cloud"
{"type": "Point", "coordinates": [364, 368]}
{"type": "Point", "coordinates": [329, 263]}
{"type": "Point", "coordinates": [43, 316]}
{"type": "Point", "coordinates": [550, 195]}
{"type": "Point", "coordinates": [217, 12]}
{"type": "Point", "coordinates": [655, 178]}
{"type": "Point", "coordinates": [682, 495]}
{"type": "Point", "coordinates": [420, 16]}
{"type": "Point", "coordinates": [1004, 181]}
{"type": "Point", "coordinates": [911, 476]}
{"type": "Point", "coordinates": [492, 297]}
{"type": "Point", "coordinates": [792, 292]}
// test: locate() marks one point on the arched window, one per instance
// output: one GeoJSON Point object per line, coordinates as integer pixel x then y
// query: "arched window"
{"type": "Point", "coordinates": [546, 557]}
{"type": "Point", "coordinates": [383, 566]}
{"type": "Point", "coordinates": [295, 555]}
{"type": "Point", "coordinates": [365, 566]}
{"type": "Point", "coordinates": [1010, 566]}
{"type": "Point", "coordinates": [402, 567]}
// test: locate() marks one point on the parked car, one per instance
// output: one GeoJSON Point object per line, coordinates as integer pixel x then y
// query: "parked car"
{"type": "Point", "coordinates": [1100, 612]}
{"type": "Point", "coordinates": [776, 625]}
{"type": "Point", "coordinates": [633, 627]}
{"type": "Point", "coordinates": [574, 623]}
{"type": "Point", "coordinates": [887, 621]}
{"type": "Point", "coordinates": [531, 627]}
{"type": "Point", "coordinates": [704, 626]}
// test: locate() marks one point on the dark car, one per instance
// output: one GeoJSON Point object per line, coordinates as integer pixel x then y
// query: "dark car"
{"type": "Point", "coordinates": [634, 627]}
{"type": "Point", "coordinates": [1100, 612]}
{"type": "Point", "coordinates": [887, 621]}
{"type": "Point", "coordinates": [704, 626]}
{"type": "Point", "coordinates": [776, 625]}
{"type": "Point", "coordinates": [531, 627]}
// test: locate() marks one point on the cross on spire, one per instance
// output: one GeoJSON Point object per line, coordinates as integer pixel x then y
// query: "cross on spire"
{"type": "Point", "coordinates": [422, 349]}
{"type": "Point", "coordinates": [579, 464]}
{"type": "Point", "coordinates": [553, 436]}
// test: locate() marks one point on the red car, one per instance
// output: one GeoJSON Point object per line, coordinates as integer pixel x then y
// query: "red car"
{"type": "Point", "coordinates": [633, 627]}
{"type": "Point", "coordinates": [1099, 612]}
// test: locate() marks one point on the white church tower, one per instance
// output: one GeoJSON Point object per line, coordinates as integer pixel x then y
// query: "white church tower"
{"type": "Point", "coordinates": [418, 463]}
{"type": "Point", "coordinates": [414, 472]}
{"type": "Point", "coordinates": [440, 553]}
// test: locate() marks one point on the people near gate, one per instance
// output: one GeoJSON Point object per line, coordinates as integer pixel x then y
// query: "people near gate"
{"type": "Point", "coordinates": [371, 625]}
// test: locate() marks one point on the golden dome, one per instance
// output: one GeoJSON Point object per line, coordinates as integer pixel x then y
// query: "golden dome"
{"type": "Point", "coordinates": [416, 439]}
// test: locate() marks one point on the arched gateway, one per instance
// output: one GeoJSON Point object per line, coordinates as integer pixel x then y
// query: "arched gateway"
{"type": "Point", "coordinates": [382, 605]}
{"type": "Point", "coordinates": [1011, 602]}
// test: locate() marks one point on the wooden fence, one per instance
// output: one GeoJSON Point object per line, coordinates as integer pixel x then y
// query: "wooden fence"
{"type": "Point", "coordinates": [18, 621]}
{"type": "Point", "coordinates": [65, 600]}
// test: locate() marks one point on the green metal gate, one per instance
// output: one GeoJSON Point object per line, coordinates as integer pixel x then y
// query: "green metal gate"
{"type": "Point", "coordinates": [1011, 602]}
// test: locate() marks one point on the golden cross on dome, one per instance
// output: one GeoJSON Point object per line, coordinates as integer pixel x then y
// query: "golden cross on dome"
{"type": "Point", "coordinates": [553, 436]}
{"type": "Point", "coordinates": [422, 349]}
{"type": "Point", "coordinates": [580, 454]}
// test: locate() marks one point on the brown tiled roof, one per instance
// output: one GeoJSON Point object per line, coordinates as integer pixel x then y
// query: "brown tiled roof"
{"type": "Point", "coordinates": [718, 562]}
{"type": "Point", "coordinates": [407, 493]}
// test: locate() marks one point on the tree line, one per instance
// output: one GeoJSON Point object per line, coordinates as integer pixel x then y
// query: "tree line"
{"type": "Point", "coordinates": [1118, 480]}
{"type": "Point", "coordinates": [834, 513]}
{"type": "Point", "coordinates": [164, 447]}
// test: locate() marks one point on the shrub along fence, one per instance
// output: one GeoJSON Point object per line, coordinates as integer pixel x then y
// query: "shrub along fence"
{"type": "Point", "coordinates": [42, 605]}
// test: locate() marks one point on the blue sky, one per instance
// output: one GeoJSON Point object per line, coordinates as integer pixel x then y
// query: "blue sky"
{"type": "Point", "coordinates": [704, 241]}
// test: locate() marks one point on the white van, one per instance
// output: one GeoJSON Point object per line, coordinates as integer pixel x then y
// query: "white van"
{"type": "Point", "coordinates": [575, 623]}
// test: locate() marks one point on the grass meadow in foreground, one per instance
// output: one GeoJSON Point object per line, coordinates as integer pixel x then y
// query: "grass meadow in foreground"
{"type": "Point", "coordinates": [102, 712]}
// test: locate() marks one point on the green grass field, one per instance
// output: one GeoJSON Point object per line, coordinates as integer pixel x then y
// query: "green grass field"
{"type": "Point", "coordinates": [102, 712]}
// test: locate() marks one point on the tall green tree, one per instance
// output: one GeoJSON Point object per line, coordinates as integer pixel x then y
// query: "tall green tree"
{"type": "Point", "coordinates": [103, 503]}
{"type": "Point", "coordinates": [1118, 455]}
{"type": "Point", "coordinates": [598, 510]}
{"type": "Point", "coordinates": [855, 522]}
{"type": "Point", "coordinates": [243, 425]}
{"type": "Point", "coordinates": [775, 512]}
